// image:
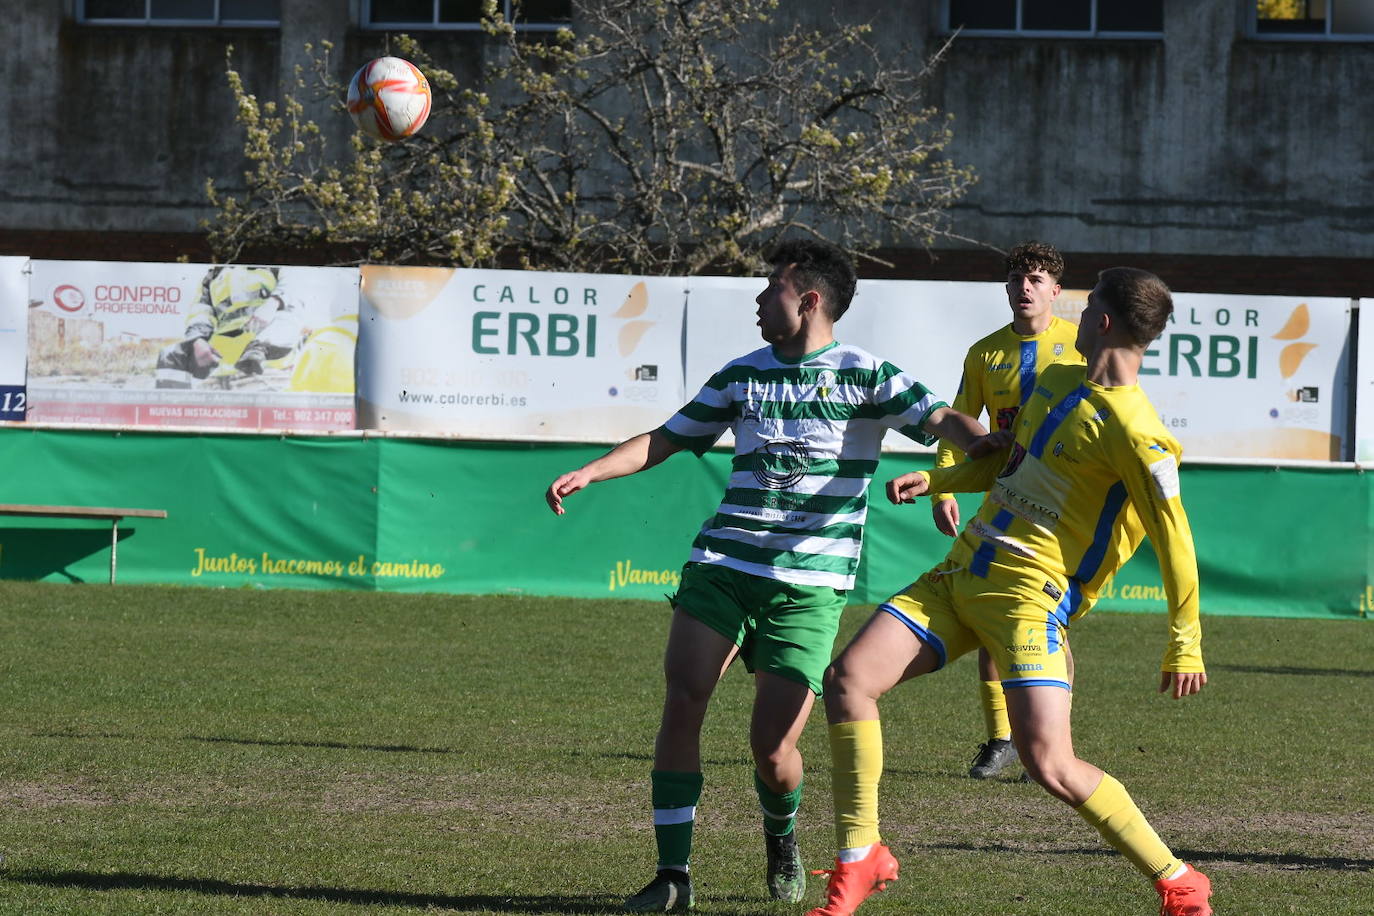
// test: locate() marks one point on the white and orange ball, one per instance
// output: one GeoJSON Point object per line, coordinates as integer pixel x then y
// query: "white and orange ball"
{"type": "Point", "coordinates": [388, 98]}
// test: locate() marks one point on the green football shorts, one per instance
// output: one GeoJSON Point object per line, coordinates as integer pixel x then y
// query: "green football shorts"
{"type": "Point", "coordinates": [780, 627]}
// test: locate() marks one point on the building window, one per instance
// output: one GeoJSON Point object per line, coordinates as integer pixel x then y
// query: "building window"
{"type": "Point", "coordinates": [1058, 18]}
{"type": "Point", "coordinates": [1338, 20]}
{"type": "Point", "coordinates": [532, 15]}
{"type": "Point", "coordinates": [180, 12]}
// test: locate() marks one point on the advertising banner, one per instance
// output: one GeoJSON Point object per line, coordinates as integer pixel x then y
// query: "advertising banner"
{"type": "Point", "coordinates": [497, 353]}
{"type": "Point", "coordinates": [1231, 377]}
{"type": "Point", "coordinates": [415, 515]}
{"type": "Point", "coordinates": [14, 319]}
{"type": "Point", "coordinates": [237, 346]}
{"type": "Point", "coordinates": [1253, 376]}
{"type": "Point", "coordinates": [923, 328]}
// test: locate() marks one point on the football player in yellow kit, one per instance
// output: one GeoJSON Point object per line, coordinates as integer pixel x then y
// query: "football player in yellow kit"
{"type": "Point", "coordinates": [999, 376]}
{"type": "Point", "coordinates": [1091, 471]}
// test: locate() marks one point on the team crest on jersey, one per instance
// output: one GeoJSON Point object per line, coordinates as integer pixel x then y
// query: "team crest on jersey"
{"type": "Point", "coordinates": [1059, 349]}
{"type": "Point", "coordinates": [825, 383]}
{"type": "Point", "coordinates": [780, 463]}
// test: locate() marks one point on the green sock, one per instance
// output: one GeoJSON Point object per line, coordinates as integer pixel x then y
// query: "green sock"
{"type": "Point", "coordinates": [675, 796]}
{"type": "Point", "coordinates": [779, 810]}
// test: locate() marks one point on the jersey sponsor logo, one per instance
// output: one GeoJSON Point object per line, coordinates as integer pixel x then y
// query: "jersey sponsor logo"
{"type": "Point", "coordinates": [1015, 668]}
{"type": "Point", "coordinates": [1010, 544]}
{"type": "Point", "coordinates": [1053, 590]}
{"type": "Point", "coordinates": [1058, 449]}
{"type": "Point", "coordinates": [780, 463]}
{"type": "Point", "coordinates": [1044, 392]}
{"type": "Point", "coordinates": [1001, 367]}
{"type": "Point", "coordinates": [1165, 474]}
{"type": "Point", "coordinates": [1018, 455]}
{"type": "Point", "coordinates": [1033, 492]}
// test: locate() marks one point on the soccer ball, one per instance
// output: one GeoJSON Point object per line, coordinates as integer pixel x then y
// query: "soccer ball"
{"type": "Point", "coordinates": [388, 98]}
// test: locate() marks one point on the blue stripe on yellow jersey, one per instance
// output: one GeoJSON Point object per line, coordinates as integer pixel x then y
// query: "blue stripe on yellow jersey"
{"type": "Point", "coordinates": [999, 376]}
{"type": "Point", "coordinates": [1092, 471]}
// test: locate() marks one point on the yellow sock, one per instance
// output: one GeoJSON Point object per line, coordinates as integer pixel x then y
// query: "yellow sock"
{"type": "Point", "coordinates": [994, 709]}
{"type": "Point", "coordinates": [1121, 824]}
{"type": "Point", "coordinates": [856, 754]}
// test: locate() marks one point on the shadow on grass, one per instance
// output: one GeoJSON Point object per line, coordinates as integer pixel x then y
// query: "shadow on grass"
{"type": "Point", "coordinates": [1292, 669]}
{"type": "Point", "coordinates": [261, 742]}
{"type": "Point", "coordinates": [1285, 861]}
{"type": "Point", "coordinates": [397, 748]}
{"type": "Point", "coordinates": [546, 903]}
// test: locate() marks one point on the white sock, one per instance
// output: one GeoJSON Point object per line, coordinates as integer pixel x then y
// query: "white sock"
{"type": "Point", "coordinates": [853, 853]}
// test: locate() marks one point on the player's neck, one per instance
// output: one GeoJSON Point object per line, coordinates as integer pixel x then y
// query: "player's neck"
{"type": "Point", "coordinates": [808, 340]}
{"type": "Point", "coordinates": [1115, 367]}
{"type": "Point", "coordinates": [1029, 327]}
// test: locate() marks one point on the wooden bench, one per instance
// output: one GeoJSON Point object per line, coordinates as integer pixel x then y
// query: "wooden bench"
{"type": "Point", "coordinates": [101, 512]}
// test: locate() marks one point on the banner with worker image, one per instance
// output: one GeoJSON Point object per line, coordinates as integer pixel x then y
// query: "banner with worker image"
{"type": "Point", "coordinates": [14, 309]}
{"type": "Point", "coordinates": [498, 353]}
{"type": "Point", "coordinates": [175, 345]}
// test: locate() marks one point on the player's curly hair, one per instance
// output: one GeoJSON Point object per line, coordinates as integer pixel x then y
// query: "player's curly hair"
{"type": "Point", "coordinates": [820, 266]}
{"type": "Point", "coordinates": [1139, 297]}
{"type": "Point", "coordinates": [1032, 256]}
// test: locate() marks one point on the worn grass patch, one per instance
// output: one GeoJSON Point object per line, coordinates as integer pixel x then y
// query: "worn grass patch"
{"type": "Point", "coordinates": [199, 751]}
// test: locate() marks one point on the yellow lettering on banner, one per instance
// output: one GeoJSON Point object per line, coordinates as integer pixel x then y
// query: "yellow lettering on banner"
{"type": "Point", "coordinates": [1143, 592]}
{"type": "Point", "coordinates": [298, 566]}
{"type": "Point", "coordinates": [625, 574]}
{"type": "Point", "coordinates": [231, 564]}
{"type": "Point", "coordinates": [1367, 601]}
{"type": "Point", "coordinates": [412, 569]}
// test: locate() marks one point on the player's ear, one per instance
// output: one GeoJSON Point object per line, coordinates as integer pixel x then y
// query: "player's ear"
{"type": "Point", "coordinates": [810, 301]}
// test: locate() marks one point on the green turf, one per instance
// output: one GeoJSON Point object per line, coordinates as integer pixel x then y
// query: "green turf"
{"type": "Point", "coordinates": [205, 751]}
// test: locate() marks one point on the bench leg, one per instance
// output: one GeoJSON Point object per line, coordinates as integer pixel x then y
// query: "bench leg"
{"type": "Point", "coordinates": [114, 546]}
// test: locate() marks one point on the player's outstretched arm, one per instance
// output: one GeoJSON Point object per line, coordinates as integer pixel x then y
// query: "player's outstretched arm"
{"type": "Point", "coordinates": [906, 488]}
{"type": "Point", "coordinates": [959, 428]}
{"type": "Point", "coordinates": [1182, 683]}
{"type": "Point", "coordinates": [629, 457]}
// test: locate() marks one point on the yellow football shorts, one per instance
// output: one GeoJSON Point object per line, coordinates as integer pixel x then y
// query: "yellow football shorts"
{"type": "Point", "coordinates": [1020, 620]}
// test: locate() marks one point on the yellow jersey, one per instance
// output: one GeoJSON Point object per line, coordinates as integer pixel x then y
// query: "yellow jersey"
{"type": "Point", "coordinates": [999, 376]}
{"type": "Point", "coordinates": [1092, 471]}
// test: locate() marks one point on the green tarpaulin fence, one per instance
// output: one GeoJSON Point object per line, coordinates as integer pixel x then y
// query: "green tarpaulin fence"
{"type": "Point", "coordinates": [417, 515]}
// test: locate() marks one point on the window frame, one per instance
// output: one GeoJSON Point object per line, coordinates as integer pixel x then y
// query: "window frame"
{"type": "Point", "coordinates": [1252, 29]}
{"type": "Point", "coordinates": [1091, 33]}
{"type": "Point", "coordinates": [148, 20]}
{"type": "Point", "coordinates": [434, 25]}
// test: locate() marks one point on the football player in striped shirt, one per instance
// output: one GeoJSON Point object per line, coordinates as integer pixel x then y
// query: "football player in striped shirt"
{"type": "Point", "coordinates": [1090, 473]}
{"type": "Point", "coordinates": [999, 376]}
{"type": "Point", "coordinates": [768, 572]}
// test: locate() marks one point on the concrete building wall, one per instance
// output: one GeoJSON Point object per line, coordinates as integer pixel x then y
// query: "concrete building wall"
{"type": "Point", "coordinates": [1206, 143]}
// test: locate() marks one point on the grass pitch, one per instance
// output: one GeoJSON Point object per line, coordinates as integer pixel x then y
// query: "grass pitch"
{"type": "Point", "coordinates": [167, 750]}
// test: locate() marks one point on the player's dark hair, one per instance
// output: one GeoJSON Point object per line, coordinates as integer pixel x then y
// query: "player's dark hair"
{"type": "Point", "coordinates": [1032, 256]}
{"type": "Point", "coordinates": [820, 266]}
{"type": "Point", "coordinates": [1139, 298]}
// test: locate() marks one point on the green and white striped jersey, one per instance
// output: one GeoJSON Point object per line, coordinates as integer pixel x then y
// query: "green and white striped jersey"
{"type": "Point", "coordinates": [807, 438]}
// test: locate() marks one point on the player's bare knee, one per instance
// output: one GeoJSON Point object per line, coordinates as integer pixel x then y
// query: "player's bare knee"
{"type": "Point", "coordinates": [770, 754]}
{"type": "Point", "coordinates": [685, 696]}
